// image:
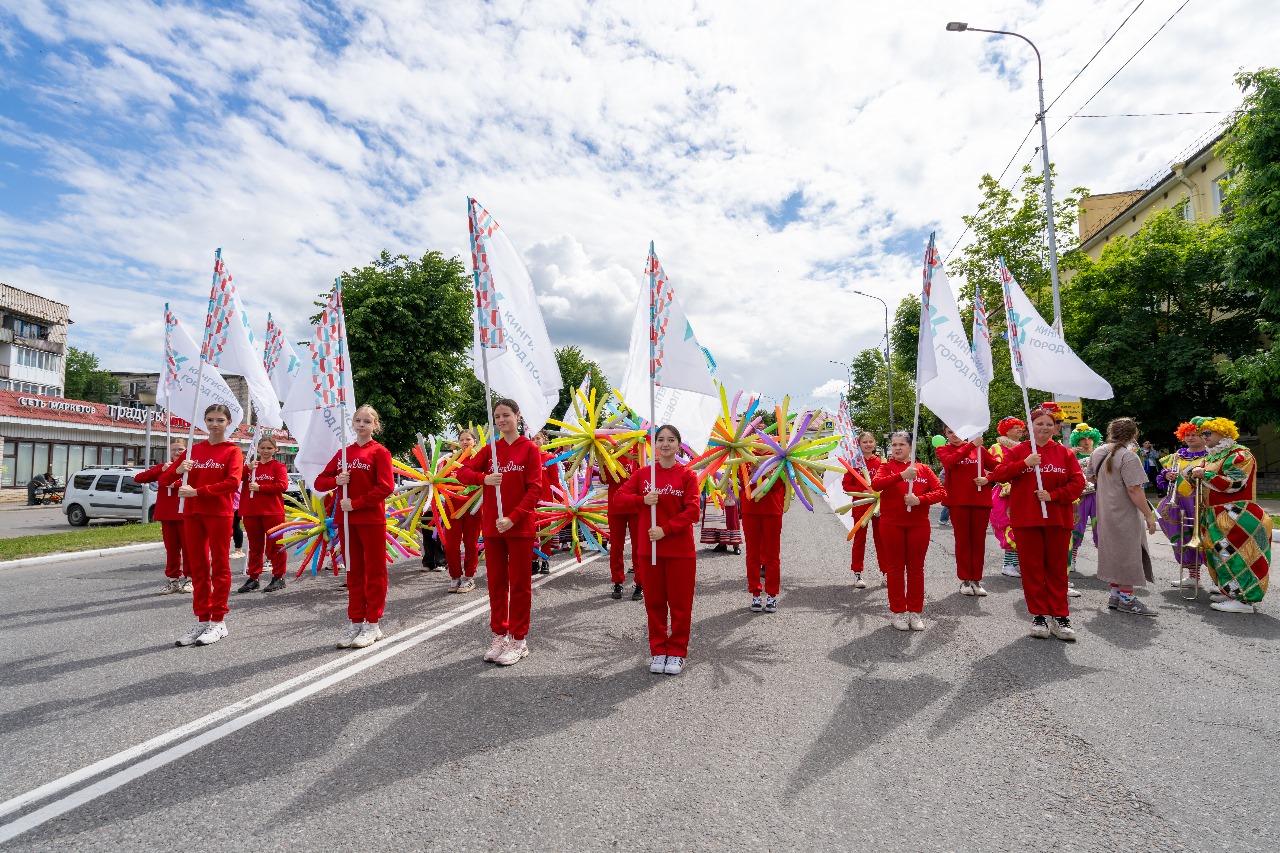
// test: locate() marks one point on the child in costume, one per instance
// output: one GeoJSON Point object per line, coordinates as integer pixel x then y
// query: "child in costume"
{"type": "Point", "coordinates": [1010, 431]}
{"type": "Point", "coordinates": [1084, 439]}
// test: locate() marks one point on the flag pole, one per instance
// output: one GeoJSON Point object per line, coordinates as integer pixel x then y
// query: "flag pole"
{"type": "Point", "coordinates": [653, 414]}
{"type": "Point", "coordinates": [1016, 348]}
{"type": "Point", "coordinates": [484, 351]}
{"type": "Point", "coordinates": [204, 347]}
{"type": "Point", "coordinates": [342, 418]}
{"type": "Point", "coordinates": [147, 442]}
{"type": "Point", "coordinates": [924, 327]}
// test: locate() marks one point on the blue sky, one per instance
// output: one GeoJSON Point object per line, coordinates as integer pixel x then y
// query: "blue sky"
{"type": "Point", "coordinates": [780, 156]}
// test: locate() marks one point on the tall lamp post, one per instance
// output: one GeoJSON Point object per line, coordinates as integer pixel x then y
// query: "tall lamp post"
{"type": "Point", "coordinates": [961, 27]}
{"type": "Point", "coordinates": [888, 360]}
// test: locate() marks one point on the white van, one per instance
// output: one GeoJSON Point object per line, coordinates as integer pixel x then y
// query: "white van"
{"type": "Point", "coordinates": [108, 491]}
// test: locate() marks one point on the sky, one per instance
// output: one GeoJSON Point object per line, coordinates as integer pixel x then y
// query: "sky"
{"type": "Point", "coordinates": [781, 155]}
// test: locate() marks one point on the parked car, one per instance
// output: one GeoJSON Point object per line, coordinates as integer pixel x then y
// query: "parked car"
{"type": "Point", "coordinates": [108, 491]}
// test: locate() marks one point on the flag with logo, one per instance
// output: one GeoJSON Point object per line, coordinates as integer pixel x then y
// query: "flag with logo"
{"type": "Point", "coordinates": [509, 325]}
{"type": "Point", "coordinates": [177, 388]}
{"type": "Point", "coordinates": [950, 384]}
{"type": "Point", "coordinates": [1039, 356]}
{"type": "Point", "coordinates": [229, 344]}
{"type": "Point", "coordinates": [982, 339]}
{"type": "Point", "coordinates": [280, 360]}
{"type": "Point", "coordinates": [322, 399]}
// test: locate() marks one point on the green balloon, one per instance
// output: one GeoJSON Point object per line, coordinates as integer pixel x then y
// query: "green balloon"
{"type": "Point", "coordinates": [938, 441]}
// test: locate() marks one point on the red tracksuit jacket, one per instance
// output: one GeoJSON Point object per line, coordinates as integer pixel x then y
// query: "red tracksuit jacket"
{"type": "Point", "coordinates": [961, 464]}
{"type": "Point", "coordinates": [215, 477]}
{"type": "Point", "coordinates": [873, 465]}
{"type": "Point", "coordinates": [167, 496]}
{"type": "Point", "coordinates": [678, 509]}
{"type": "Point", "coordinates": [520, 463]}
{"type": "Point", "coordinates": [272, 479]}
{"type": "Point", "coordinates": [371, 482]}
{"type": "Point", "coordinates": [893, 491]}
{"type": "Point", "coordinates": [1062, 477]}
{"type": "Point", "coordinates": [770, 504]}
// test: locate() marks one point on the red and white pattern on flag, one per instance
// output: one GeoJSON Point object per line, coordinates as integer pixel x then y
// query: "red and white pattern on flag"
{"type": "Point", "coordinates": [328, 354]}
{"type": "Point", "coordinates": [273, 347]}
{"type": "Point", "coordinates": [661, 297]}
{"type": "Point", "coordinates": [221, 313]}
{"type": "Point", "coordinates": [850, 450]}
{"type": "Point", "coordinates": [482, 225]}
{"type": "Point", "coordinates": [1011, 316]}
{"type": "Point", "coordinates": [980, 316]}
{"type": "Point", "coordinates": [171, 359]}
{"type": "Point", "coordinates": [931, 260]}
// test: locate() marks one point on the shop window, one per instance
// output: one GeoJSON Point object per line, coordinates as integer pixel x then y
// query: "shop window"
{"type": "Point", "coordinates": [22, 471]}
{"type": "Point", "coordinates": [90, 456]}
{"type": "Point", "coordinates": [60, 462]}
{"type": "Point", "coordinates": [10, 461]}
{"type": "Point", "coordinates": [117, 455]}
{"type": "Point", "coordinates": [75, 458]}
{"type": "Point", "coordinates": [40, 458]}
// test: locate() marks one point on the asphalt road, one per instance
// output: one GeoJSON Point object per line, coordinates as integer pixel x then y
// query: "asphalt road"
{"type": "Point", "coordinates": [32, 521]}
{"type": "Point", "coordinates": [816, 728]}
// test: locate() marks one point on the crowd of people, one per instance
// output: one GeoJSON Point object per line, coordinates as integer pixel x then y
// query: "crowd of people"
{"type": "Point", "coordinates": [1040, 494]}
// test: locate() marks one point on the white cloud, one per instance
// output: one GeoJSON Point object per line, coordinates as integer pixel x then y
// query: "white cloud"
{"type": "Point", "coordinates": [303, 141]}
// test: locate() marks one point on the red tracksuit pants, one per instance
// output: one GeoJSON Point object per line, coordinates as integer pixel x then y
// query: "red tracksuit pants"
{"type": "Point", "coordinates": [261, 546]}
{"type": "Point", "coordinates": [764, 548]}
{"type": "Point", "coordinates": [902, 561]}
{"type": "Point", "coordinates": [1043, 553]}
{"type": "Point", "coordinates": [860, 544]}
{"type": "Point", "coordinates": [208, 549]}
{"type": "Point", "coordinates": [668, 600]}
{"type": "Point", "coordinates": [621, 526]}
{"type": "Point", "coordinates": [507, 560]}
{"type": "Point", "coordinates": [171, 531]}
{"type": "Point", "coordinates": [462, 545]}
{"type": "Point", "coordinates": [366, 572]}
{"type": "Point", "coordinates": [970, 526]}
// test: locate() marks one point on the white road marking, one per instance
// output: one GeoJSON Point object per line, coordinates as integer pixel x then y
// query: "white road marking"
{"type": "Point", "coordinates": [347, 666]}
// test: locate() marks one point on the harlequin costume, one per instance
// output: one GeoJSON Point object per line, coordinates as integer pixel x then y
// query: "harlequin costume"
{"type": "Point", "coordinates": [1176, 510]}
{"type": "Point", "coordinates": [1236, 531]}
{"type": "Point", "coordinates": [1001, 524]}
{"type": "Point", "coordinates": [1086, 509]}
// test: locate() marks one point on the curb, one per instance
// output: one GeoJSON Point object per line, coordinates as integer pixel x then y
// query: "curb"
{"type": "Point", "coordinates": [79, 555]}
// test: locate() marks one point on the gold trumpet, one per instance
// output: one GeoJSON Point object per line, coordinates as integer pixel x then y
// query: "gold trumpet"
{"type": "Point", "coordinates": [1193, 544]}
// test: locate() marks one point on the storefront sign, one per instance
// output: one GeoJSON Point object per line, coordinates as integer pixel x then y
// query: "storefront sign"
{"type": "Point", "coordinates": [58, 405]}
{"type": "Point", "coordinates": [128, 413]}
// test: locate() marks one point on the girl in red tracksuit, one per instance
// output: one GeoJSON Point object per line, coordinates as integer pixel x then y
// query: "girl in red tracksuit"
{"type": "Point", "coordinates": [462, 536]}
{"type": "Point", "coordinates": [868, 443]}
{"type": "Point", "coordinates": [622, 521]}
{"type": "Point", "coordinates": [509, 536]}
{"type": "Point", "coordinates": [1043, 536]}
{"type": "Point", "coordinates": [176, 567]}
{"type": "Point", "coordinates": [669, 580]}
{"type": "Point", "coordinates": [365, 484]}
{"type": "Point", "coordinates": [969, 497]}
{"type": "Point", "coordinates": [905, 534]}
{"type": "Point", "coordinates": [212, 470]}
{"type": "Point", "coordinates": [762, 528]}
{"type": "Point", "coordinates": [262, 508]}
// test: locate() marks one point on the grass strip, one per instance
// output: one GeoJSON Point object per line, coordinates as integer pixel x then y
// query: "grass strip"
{"type": "Point", "coordinates": [79, 539]}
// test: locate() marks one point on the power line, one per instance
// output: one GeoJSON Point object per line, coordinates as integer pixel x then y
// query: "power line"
{"type": "Point", "coordinates": [1095, 54]}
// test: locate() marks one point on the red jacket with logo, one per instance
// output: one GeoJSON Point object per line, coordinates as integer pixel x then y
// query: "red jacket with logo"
{"type": "Point", "coordinates": [167, 496]}
{"type": "Point", "coordinates": [1062, 477]}
{"type": "Point", "coordinates": [678, 509]}
{"type": "Point", "coordinates": [215, 477]}
{"type": "Point", "coordinates": [520, 463]}
{"type": "Point", "coordinates": [960, 461]}
{"type": "Point", "coordinates": [893, 492]}
{"type": "Point", "coordinates": [371, 483]}
{"type": "Point", "coordinates": [873, 465]}
{"type": "Point", "coordinates": [272, 479]}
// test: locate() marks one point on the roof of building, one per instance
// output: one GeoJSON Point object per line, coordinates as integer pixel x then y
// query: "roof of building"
{"type": "Point", "coordinates": [33, 305]}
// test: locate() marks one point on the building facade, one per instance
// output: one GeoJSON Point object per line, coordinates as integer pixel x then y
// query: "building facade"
{"type": "Point", "coordinates": [33, 343]}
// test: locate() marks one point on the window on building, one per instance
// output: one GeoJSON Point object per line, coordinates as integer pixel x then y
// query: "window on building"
{"type": "Point", "coordinates": [1220, 205]}
{"type": "Point", "coordinates": [29, 329]}
{"type": "Point", "coordinates": [22, 468]}
{"type": "Point", "coordinates": [59, 462]}
{"type": "Point", "coordinates": [75, 458]}
{"type": "Point", "coordinates": [1184, 208]}
{"type": "Point", "coordinates": [10, 463]}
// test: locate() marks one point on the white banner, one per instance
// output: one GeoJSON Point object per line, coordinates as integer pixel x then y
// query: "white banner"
{"type": "Point", "coordinates": [176, 393]}
{"type": "Point", "coordinates": [231, 347]}
{"type": "Point", "coordinates": [322, 400]}
{"type": "Point", "coordinates": [951, 386]}
{"type": "Point", "coordinates": [280, 360]}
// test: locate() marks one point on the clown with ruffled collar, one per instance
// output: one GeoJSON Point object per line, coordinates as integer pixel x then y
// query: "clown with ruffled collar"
{"type": "Point", "coordinates": [1176, 510]}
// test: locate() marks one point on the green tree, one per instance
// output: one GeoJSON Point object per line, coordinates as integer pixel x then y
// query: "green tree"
{"type": "Point", "coordinates": [470, 409]}
{"type": "Point", "coordinates": [869, 393]}
{"type": "Point", "coordinates": [573, 369]}
{"type": "Point", "coordinates": [85, 380]}
{"type": "Point", "coordinates": [409, 335]}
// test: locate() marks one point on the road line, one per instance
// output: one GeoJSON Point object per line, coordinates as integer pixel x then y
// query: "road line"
{"type": "Point", "coordinates": [346, 666]}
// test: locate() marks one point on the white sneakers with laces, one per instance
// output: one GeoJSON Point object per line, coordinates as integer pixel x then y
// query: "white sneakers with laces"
{"type": "Point", "coordinates": [369, 634]}
{"type": "Point", "coordinates": [213, 632]}
{"type": "Point", "coordinates": [348, 638]}
{"type": "Point", "coordinates": [673, 665]}
{"type": "Point", "coordinates": [900, 622]}
{"type": "Point", "coordinates": [966, 588]}
{"type": "Point", "coordinates": [978, 589]}
{"type": "Point", "coordinates": [658, 664]}
{"type": "Point", "coordinates": [515, 651]}
{"type": "Point", "coordinates": [186, 586]}
{"type": "Point", "coordinates": [497, 646]}
{"type": "Point", "coordinates": [915, 622]}
{"type": "Point", "coordinates": [189, 638]}
{"type": "Point", "coordinates": [174, 585]}
{"type": "Point", "coordinates": [858, 582]}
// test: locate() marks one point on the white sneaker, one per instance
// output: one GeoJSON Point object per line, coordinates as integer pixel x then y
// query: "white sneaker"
{"type": "Point", "coordinates": [978, 589]}
{"type": "Point", "coordinates": [368, 635]}
{"type": "Point", "coordinates": [515, 651]}
{"type": "Point", "coordinates": [189, 638]}
{"type": "Point", "coordinates": [348, 638]}
{"type": "Point", "coordinates": [1040, 627]}
{"type": "Point", "coordinates": [497, 647]}
{"type": "Point", "coordinates": [174, 585]}
{"type": "Point", "coordinates": [858, 582]}
{"type": "Point", "coordinates": [916, 623]}
{"type": "Point", "coordinates": [674, 665]}
{"type": "Point", "coordinates": [454, 584]}
{"type": "Point", "coordinates": [1010, 571]}
{"type": "Point", "coordinates": [900, 622]}
{"type": "Point", "coordinates": [212, 634]}
{"type": "Point", "coordinates": [1211, 588]}
{"type": "Point", "coordinates": [1230, 605]}
{"type": "Point", "coordinates": [658, 664]}
{"type": "Point", "coordinates": [467, 585]}
{"type": "Point", "coordinates": [186, 586]}
{"type": "Point", "coordinates": [237, 554]}
{"type": "Point", "coordinates": [1061, 628]}
{"type": "Point", "coordinates": [1072, 592]}
{"type": "Point", "coordinates": [966, 589]}
{"type": "Point", "coordinates": [1185, 583]}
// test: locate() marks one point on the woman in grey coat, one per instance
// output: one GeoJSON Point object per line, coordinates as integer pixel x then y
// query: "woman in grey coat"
{"type": "Point", "coordinates": [1123, 559]}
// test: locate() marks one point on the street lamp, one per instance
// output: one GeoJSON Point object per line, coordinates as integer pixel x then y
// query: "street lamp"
{"type": "Point", "coordinates": [848, 369]}
{"type": "Point", "coordinates": [888, 360]}
{"type": "Point", "coordinates": [961, 27]}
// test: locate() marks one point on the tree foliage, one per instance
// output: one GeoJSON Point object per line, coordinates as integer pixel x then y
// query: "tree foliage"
{"type": "Point", "coordinates": [409, 335]}
{"type": "Point", "coordinates": [573, 369]}
{"type": "Point", "coordinates": [85, 380]}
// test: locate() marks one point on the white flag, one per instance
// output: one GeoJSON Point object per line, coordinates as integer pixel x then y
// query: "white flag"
{"type": "Point", "coordinates": [229, 345]}
{"type": "Point", "coordinates": [1040, 357]}
{"type": "Point", "coordinates": [982, 339]}
{"type": "Point", "coordinates": [522, 364]}
{"type": "Point", "coordinates": [322, 400]}
{"type": "Point", "coordinates": [693, 414]}
{"type": "Point", "coordinates": [280, 360]}
{"type": "Point", "coordinates": [177, 391]}
{"type": "Point", "coordinates": [953, 389]}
